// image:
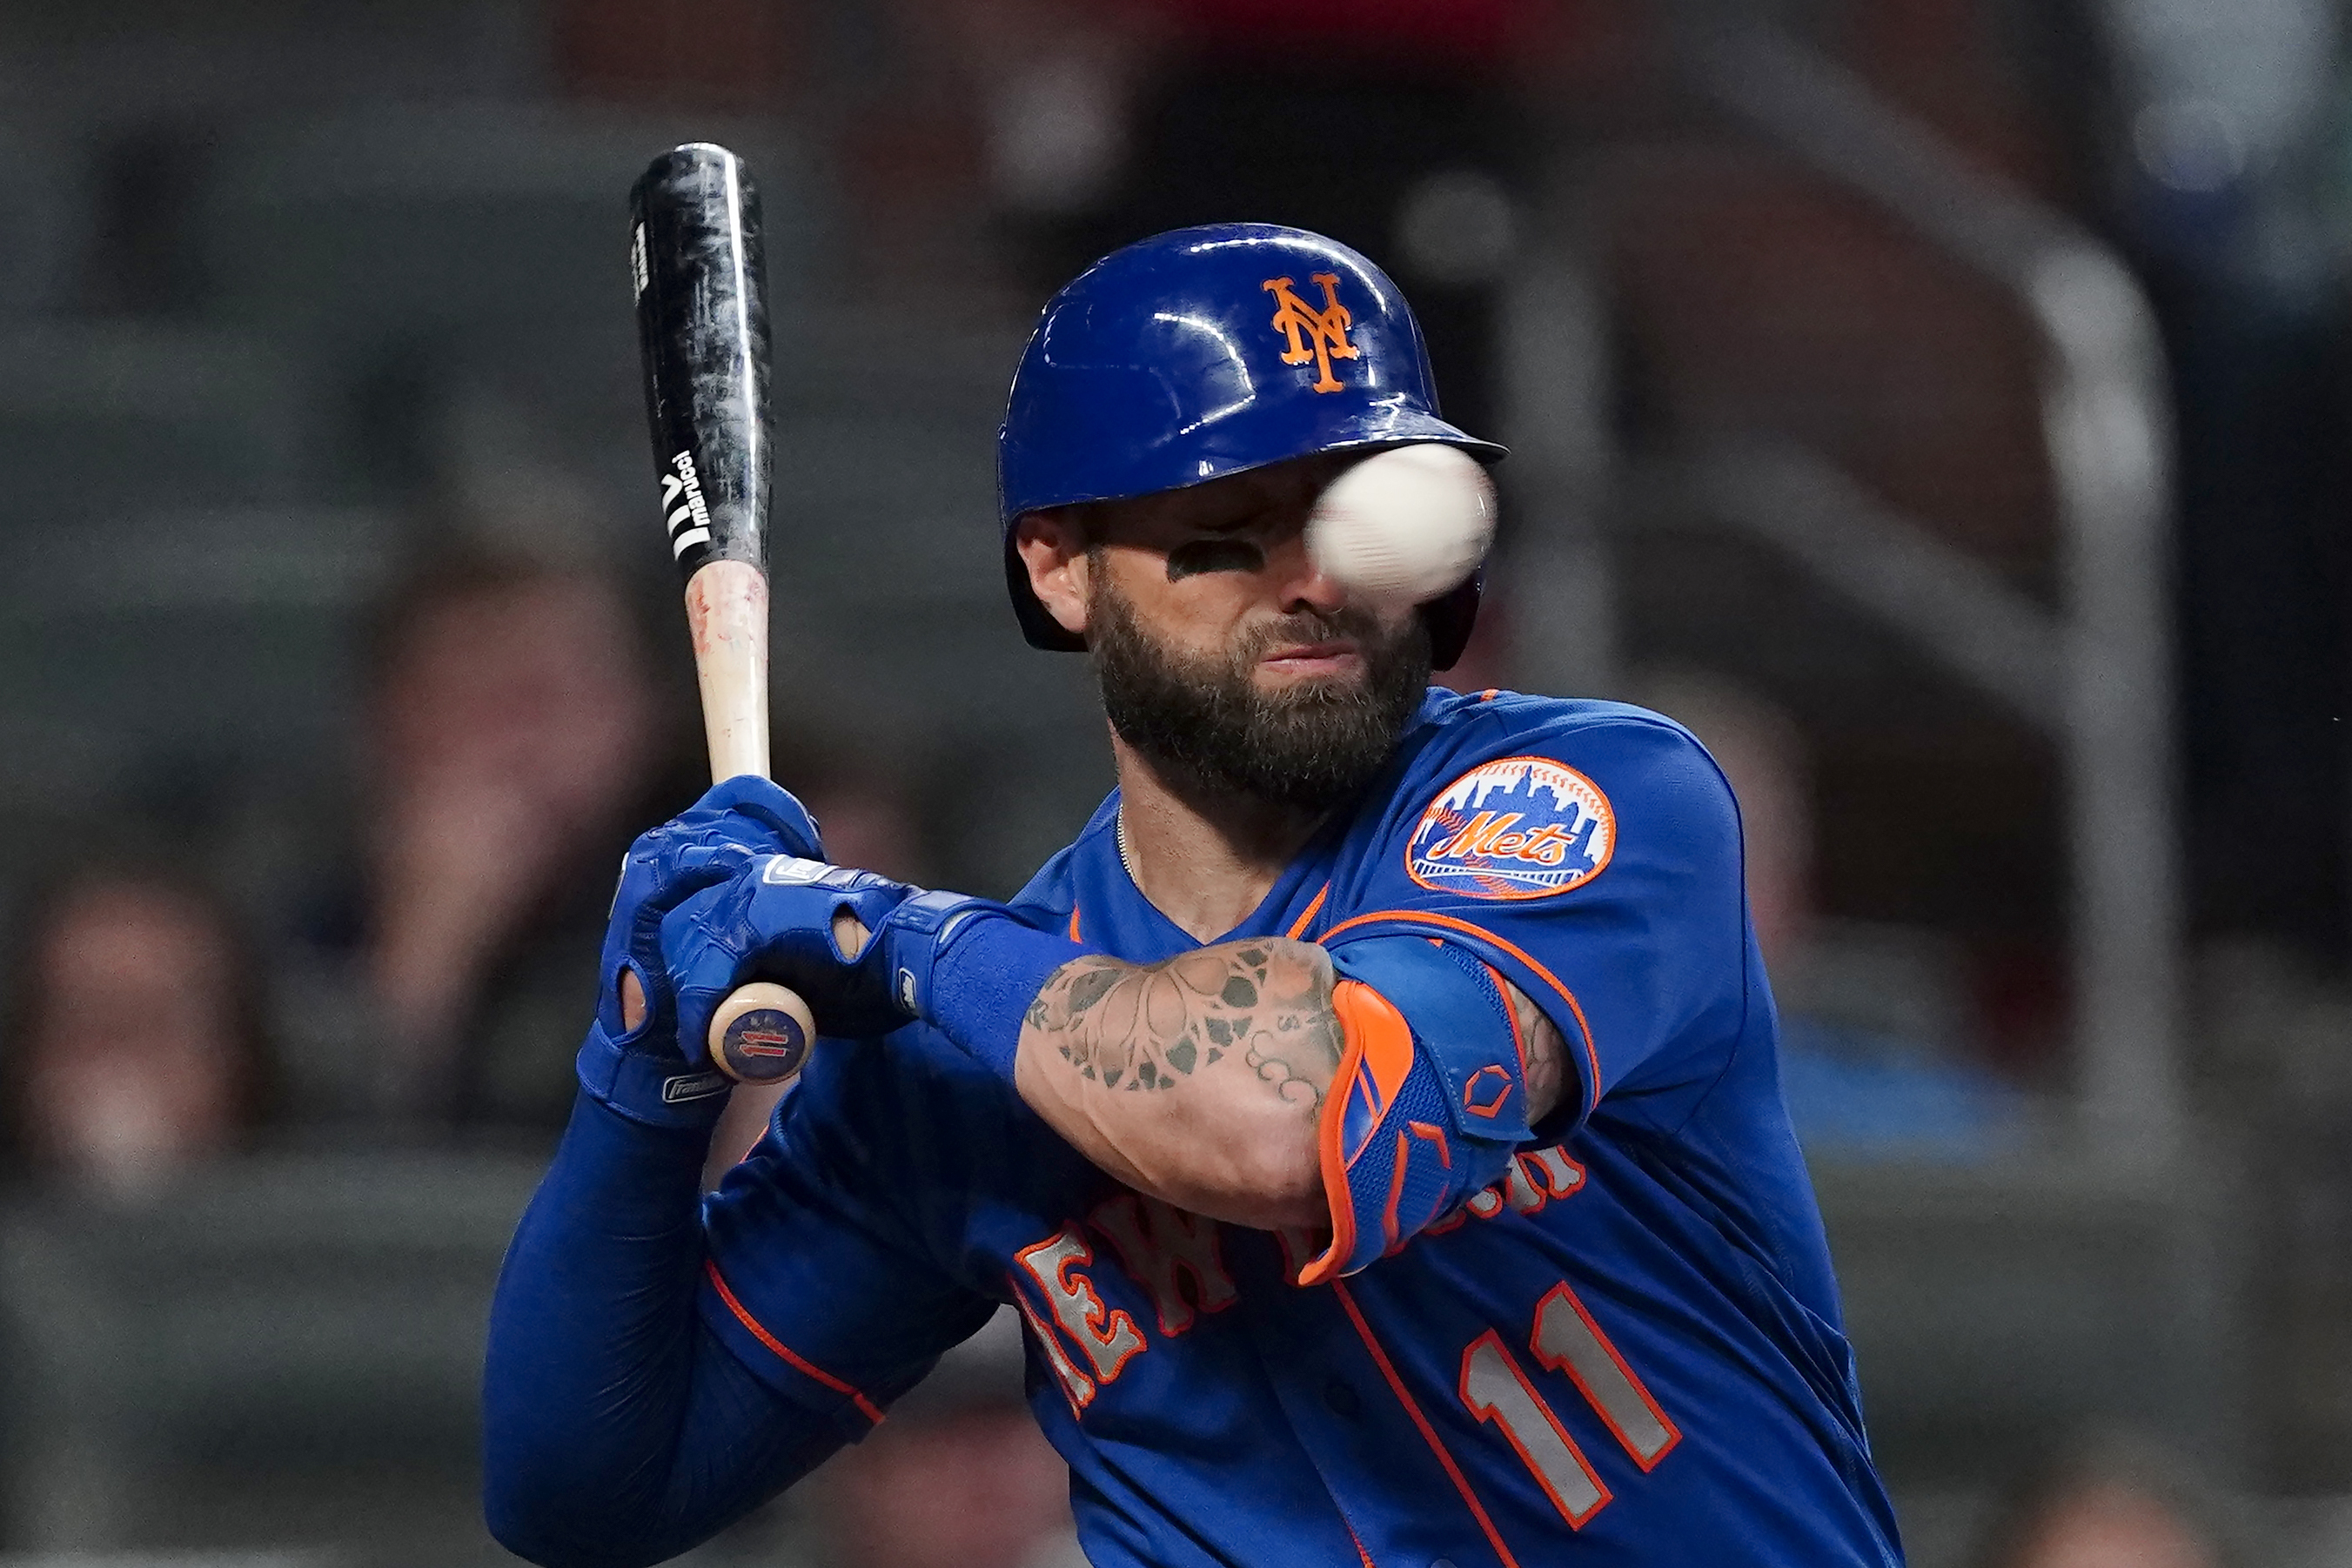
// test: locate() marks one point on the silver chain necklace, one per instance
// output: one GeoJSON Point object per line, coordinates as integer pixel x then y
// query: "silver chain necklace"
{"type": "Point", "coordinates": [1127, 856]}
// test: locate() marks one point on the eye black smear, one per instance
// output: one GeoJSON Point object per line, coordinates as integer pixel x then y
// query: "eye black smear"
{"type": "Point", "coordinates": [1213, 555]}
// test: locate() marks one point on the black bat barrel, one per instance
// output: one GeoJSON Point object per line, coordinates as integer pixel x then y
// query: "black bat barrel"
{"type": "Point", "coordinates": [702, 328]}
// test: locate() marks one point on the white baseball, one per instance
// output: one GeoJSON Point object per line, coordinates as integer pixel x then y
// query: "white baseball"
{"type": "Point", "coordinates": [1408, 524]}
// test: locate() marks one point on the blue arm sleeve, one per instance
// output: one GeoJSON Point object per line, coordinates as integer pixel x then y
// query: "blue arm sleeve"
{"type": "Point", "coordinates": [617, 1428]}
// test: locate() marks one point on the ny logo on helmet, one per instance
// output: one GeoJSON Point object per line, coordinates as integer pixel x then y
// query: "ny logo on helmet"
{"type": "Point", "coordinates": [1319, 335]}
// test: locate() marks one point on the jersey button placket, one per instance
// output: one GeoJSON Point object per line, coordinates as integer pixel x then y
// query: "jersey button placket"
{"type": "Point", "coordinates": [1292, 1331]}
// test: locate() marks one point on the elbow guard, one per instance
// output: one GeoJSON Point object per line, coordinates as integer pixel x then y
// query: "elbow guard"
{"type": "Point", "coordinates": [1430, 1102]}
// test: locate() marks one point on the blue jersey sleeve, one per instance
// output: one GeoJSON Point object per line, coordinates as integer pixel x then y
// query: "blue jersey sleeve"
{"type": "Point", "coordinates": [655, 1372]}
{"type": "Point", "coordinates": [1591, 857]}
{"type": "Point", "coordinates": [829, 1267]}
{"type": "Point", "coordinates": [617, 1430]}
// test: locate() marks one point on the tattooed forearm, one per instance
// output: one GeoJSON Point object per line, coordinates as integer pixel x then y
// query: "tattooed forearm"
{"type": "Point", "coordinates": [1151, 1026]}
{"type": "Point", "coordinates": [1199, 1081]}
{"type": "Point", "coordinates": [1244, 1035]}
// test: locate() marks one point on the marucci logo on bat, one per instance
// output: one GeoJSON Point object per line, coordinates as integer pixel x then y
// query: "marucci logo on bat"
{"type": "Point", "coordinates": [692, 510]}
{"type": "Point", "coordinates": [638, 256]}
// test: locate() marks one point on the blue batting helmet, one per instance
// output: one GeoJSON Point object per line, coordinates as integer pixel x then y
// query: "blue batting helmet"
{"type": "Point", "coordinates": [1207, 351]}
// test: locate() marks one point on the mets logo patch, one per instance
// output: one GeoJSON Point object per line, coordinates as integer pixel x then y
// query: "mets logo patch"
{"type": "Point", "coordinates": [1519, 827]}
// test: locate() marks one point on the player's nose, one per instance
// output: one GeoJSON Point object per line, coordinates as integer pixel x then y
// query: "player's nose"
{"type": "Point", "coordinates": [1298, 584]}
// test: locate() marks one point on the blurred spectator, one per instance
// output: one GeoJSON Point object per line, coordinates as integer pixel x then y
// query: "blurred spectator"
{"type": "Point", "coordinates": [1762, 752]}
{"type": "Point", "coordinates": [513, 745]}
{"type": "Point", "coordinates": [739, 55]}
{"type": "Point", "coordinates": [866, 818]}
{"type": "Point", "coordinates": [1873, 1029]}
{"type": "Point", "coordinates": [2118, 1503]}
{"type": "Point", "coordinates": [138, 1047]}
{"type": "Point", "coordinates": [958, 1476]}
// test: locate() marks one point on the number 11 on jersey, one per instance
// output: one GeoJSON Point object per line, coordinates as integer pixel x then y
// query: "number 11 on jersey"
{"type": "Point", "coordinates": [1495, 1389]}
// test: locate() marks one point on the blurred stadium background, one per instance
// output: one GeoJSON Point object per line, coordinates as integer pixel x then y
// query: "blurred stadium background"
{"type": "Point", "coordinates": [1940, 404]}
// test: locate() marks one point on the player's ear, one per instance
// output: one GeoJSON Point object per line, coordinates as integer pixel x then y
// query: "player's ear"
{"type": "Point", "coordinates": [1053, 546]}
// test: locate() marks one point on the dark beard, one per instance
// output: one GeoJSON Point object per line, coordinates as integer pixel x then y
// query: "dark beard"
{"type": "Point", "coordinates": [1307, 749]}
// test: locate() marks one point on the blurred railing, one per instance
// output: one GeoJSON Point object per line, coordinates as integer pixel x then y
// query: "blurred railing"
{"type": "Point", "coordinates": [2096, 674]}
{"type": "Point", "coordinates": [280, 1353]}
{"type": "Point", "coordinates": [1994, 1306]}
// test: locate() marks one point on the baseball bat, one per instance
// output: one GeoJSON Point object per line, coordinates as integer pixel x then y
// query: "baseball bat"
{"type": "Point", "coordinates": [702, 337]}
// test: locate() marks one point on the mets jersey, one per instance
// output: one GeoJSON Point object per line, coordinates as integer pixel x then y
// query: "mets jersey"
{"type": "Point", "coordinates": [1628, 1351]}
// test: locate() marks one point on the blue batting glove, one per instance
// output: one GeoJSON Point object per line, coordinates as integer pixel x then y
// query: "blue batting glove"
{"type": "Point", "coordinates": [774, 919]}
{"type": "Point", "coordinates": [777, 920]}
{"type": "Point", "coordinates": [640, 1072]}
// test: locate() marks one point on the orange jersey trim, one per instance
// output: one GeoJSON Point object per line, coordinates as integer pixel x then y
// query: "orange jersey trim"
{"type": "Point", "coordinates": [1449, 922]}
{"type": "Point", "coordinates": [865, 1406]}
{"type": "Point", "coordinates": [1314, 907]}
{"type": "Point", "coordinates": [1428, 1433]}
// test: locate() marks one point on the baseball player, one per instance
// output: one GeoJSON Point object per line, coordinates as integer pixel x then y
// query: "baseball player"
{"type": "Point", "coordinates": [1373, 1115]}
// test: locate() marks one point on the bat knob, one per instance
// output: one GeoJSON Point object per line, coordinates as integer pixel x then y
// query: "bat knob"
{"type": "Point", "coordinates": [762, 1034]}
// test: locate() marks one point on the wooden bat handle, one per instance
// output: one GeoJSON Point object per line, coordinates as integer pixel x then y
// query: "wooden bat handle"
{"type": "Point", "coordinates": [762, 1032]}
{"type": "Point", "coordinates": [727, 615]}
